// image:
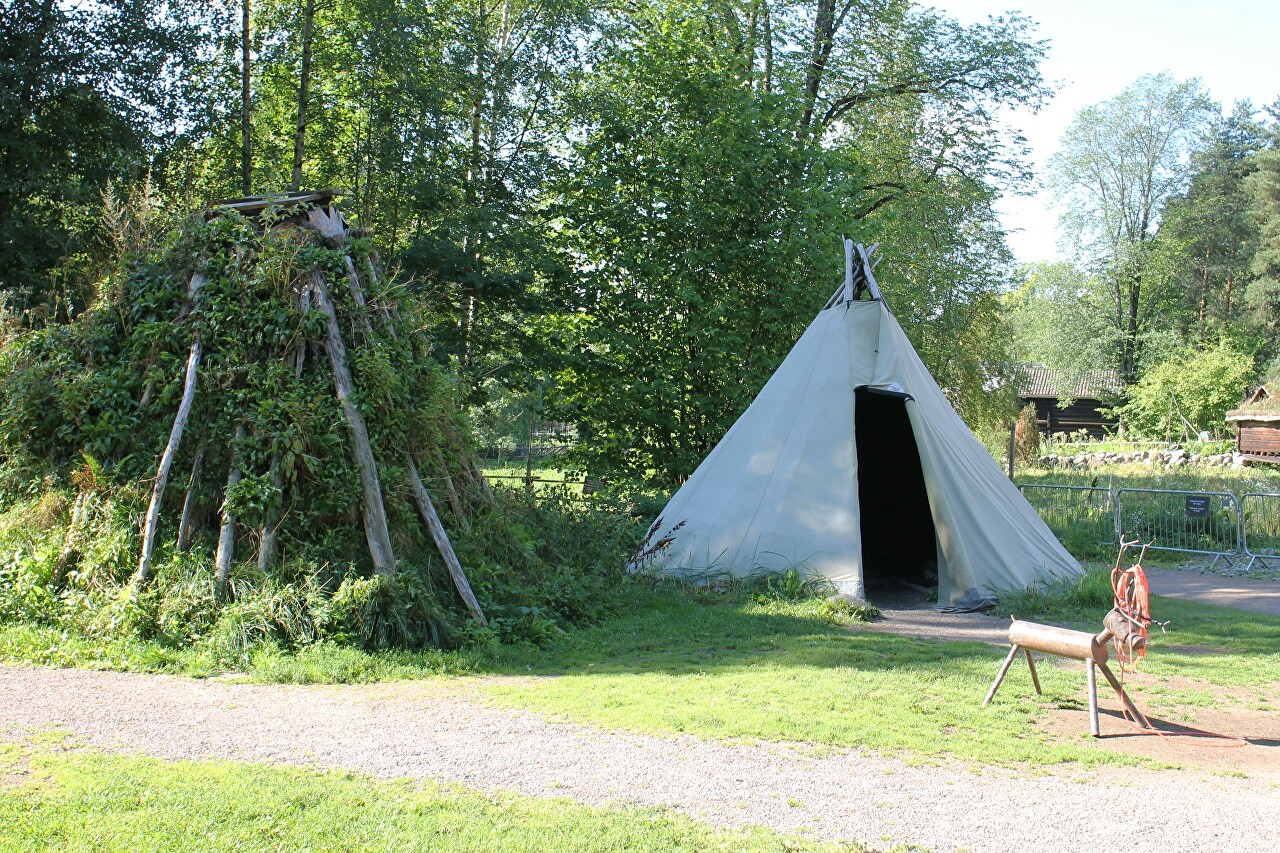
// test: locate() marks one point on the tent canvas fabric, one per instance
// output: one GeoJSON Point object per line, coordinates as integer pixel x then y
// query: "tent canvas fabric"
{"type": "Point", "coordinates": [782, 488]}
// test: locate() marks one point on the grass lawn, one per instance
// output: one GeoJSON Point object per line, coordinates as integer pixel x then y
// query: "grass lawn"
{"type": "Point", "coordinates": [745, 670]}
{"type": "Point", "coordinates": [86, 800]}
{"type": "Point", "coordinates": [545, 472]}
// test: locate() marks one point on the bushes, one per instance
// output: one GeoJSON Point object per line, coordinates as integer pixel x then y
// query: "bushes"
{"type": "Point", "coordinates": [1190, 392]}
{"type": "Point", "coordinates": [561, 565]}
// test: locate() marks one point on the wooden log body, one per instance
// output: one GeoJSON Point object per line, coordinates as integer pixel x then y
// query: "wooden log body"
{"type": "Point", "coordinates": [1058, 641]}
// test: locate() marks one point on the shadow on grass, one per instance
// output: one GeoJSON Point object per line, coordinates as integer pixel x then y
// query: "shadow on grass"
{"type": "Point", "coordinates": [1183, 732]}
{"type": "Point", "coordinates": [671, 635]}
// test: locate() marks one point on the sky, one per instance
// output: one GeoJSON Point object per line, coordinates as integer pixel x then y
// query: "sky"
{"type": "Point", "coordinates": [1097, 48]}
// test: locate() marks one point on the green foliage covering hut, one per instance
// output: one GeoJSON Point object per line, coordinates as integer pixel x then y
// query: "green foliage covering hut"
{"type": "Point", "coordinates": [247, 428]}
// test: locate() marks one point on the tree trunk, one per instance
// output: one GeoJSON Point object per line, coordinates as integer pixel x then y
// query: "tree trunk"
{"type": "Point", "coordinates": [304, 92]}
{"type": "Point", "coordinates": [432, 519]}
{"type": "Point", "coordinates": [227, 536]}
{"type": "Point", "coordinates": [768, 48]}
{"type": "Point", "coordinates": [1131, 334]}
{"type": "Point", "coordinates": [374, 512]}
{"type": "Point", "coordinates": [188, 503]}
{"type": "Point", "coordinates": [246, 102]}
{"type": "Point", "coordinates": [819, 52]}
{"type": "Point", "coordinates": [30, 85]}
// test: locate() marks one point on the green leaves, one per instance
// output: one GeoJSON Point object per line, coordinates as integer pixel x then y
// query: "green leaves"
{"type": "Point", "coordinates": [1198, 386]}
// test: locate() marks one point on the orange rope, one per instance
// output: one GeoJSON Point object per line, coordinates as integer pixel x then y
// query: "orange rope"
{"type": "Point", "coordinates": [1133, 603]}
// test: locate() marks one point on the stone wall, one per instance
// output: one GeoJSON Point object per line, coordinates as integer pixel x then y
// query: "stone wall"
{"type": "Point", "coordinates": [1173, 457]}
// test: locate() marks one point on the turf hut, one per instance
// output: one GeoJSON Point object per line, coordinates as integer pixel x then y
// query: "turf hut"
{"type": "Point", "coordinates": [258, 397]}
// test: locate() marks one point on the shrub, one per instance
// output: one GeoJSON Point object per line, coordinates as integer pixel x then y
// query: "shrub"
{"type": "Point", "coordinates": [1198, 386]}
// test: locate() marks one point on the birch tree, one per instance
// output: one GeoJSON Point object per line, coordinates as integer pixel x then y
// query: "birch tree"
{"type": "Point", "coordinates": [1120, 163]}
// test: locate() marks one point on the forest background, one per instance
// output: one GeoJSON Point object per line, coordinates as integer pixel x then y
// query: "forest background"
{"type": "Point", "coordinates": [624, 214]}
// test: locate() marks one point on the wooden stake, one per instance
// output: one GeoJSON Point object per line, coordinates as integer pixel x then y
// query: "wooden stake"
{"type": "Point", "coordinates": [227, 536]}
{"type": "Point", "coordinates": [357, 291]}
{"type": "Point", "coordinates": [374, 511]}
{"type": "Point", "coordinates": [188, 503]}
{"type": "Point", "coordinates": [270, 534]}
{"type": "Point", "coordinates": [421, 496]}
{"type": "Point", "coordinates": [300, 357]}
{"type": "Point", "coordinates": [432, 519]}
{"type": "Point", "coordinates": [455, 504]}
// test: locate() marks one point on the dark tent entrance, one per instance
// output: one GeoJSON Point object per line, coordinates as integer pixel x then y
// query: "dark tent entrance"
{"type": "Point", "coordinates": [899, 543]}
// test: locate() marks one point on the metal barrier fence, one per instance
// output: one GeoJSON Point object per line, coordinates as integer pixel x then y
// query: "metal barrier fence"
{"type": "Point", "coordinates": [1173, 520]}
{"type": "Point", "coordinates": [1216, 524]}
{"type": "Point", "coordinates": [1082, 514]}
{"type": "Point", "coordinates": [1260, 529]}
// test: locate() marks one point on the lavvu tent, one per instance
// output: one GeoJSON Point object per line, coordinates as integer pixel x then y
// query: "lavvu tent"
{"type": "Point", "coordinates": [852, 464]}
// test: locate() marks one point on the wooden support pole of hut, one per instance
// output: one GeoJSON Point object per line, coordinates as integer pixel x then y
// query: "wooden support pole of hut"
{"type": "Point", "coordinates": [175, 439]}
{"type": "Point", "coordinates": [421, 496]}
{"type": "Point", "coordinates": [268, 541]}
{"type": "Point", "coordinates": [374, 511]}
{"type": "Point", "coordinates": [432, 519]}
{"type": "Point", "coordinates": [188, 503]}
{"type": "Point", "coordinates": [70, 548]}
{"type": "Point", "coordinates": [227, 536]}
{"type": "Point", "coordinates": [270, 534]}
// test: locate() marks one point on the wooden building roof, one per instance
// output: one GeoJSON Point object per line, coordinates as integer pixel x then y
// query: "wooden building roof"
{"type": "Point", "coordinates": [1038, 381]}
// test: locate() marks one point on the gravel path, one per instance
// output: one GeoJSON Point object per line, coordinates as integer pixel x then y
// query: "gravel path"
{"type": "Point", "coordinates": [429, 730]}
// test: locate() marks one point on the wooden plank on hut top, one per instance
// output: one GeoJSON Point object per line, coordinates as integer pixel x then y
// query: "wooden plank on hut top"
{"type": "Point", "coordinates": [254, 205]}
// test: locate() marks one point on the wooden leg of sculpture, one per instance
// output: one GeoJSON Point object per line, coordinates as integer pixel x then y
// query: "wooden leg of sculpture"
{"type": "Point", "coordinates": [1013, 652]}
{"type": "Point", "coordinates": [1035, 679]}
{"type": "Point", "coordinates": [1093, 699]}
{"type": "Point", "coordinates": [1137, 715]}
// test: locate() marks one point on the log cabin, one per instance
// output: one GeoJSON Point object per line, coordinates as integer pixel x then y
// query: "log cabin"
{"type": "Point", "coordinates": [1086, 395]}
{"type": "Point", "coordinates": [1258, 426]}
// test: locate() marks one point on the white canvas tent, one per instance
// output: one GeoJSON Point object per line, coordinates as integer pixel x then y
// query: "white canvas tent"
{"type": "Point", "coordinates": [852, 464]}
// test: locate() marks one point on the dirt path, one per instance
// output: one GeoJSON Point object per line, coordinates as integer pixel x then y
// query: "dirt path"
{"type": "Point", "coordinates": [1257, 596]}
{"type": "Point", "coordinates": [426, 730]}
